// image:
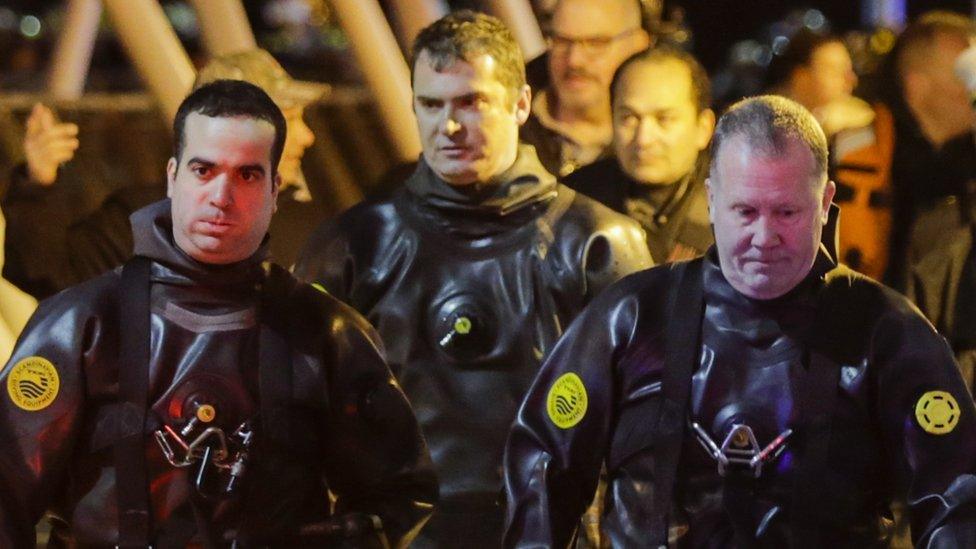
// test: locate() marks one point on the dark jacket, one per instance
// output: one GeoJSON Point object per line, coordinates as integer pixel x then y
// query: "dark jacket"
{"type": "Point", "coordinates": [598, 401]}
{"type": "Point", "coordinates": [349, 429]}
{"type": "Point", "coordinates": [887, 174]}
{"type": "Point", "coordinates": [676, 224]}
{"type": "Point", "coordinates": [469, 292]}
{"type": "Point", "coordinates": [549, 145]}
{"type": "Point", "coordinates": [942, 276]}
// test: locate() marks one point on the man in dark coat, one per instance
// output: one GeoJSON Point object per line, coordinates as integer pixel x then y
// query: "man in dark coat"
{"type": "Point", "coordinates": [662, 124]}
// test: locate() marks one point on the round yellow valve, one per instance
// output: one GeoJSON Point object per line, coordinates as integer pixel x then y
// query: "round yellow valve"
{"type": "Point", "coordinates": [206, 413]}
{"type": "Point", "coordinates": [462, 325]}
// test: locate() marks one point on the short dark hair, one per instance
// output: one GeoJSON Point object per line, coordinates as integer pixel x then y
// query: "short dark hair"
{"type": "Point", "coordinates": [798, 53]}
{"type": "Point", "coordinates": [913, 44]}
{"type": "Point", "coordinates": [230, 98]}
{"type": "Point", "coordinates": [466, 34]}
{"type": "Point", "coordinates": [701, 87]}
{"type": "Point", "coordinates": [768, 123]}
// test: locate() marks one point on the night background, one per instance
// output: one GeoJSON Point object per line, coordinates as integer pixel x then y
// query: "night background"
{"type": "Point", "coordinates": [125, 140]}
{"type": "Point", "coordinates": [305, 36]}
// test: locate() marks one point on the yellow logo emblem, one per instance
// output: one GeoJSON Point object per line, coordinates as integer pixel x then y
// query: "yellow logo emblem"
{"type": "Point", "coordinates": [33, 383]}
{"type": "Point", "coordinates": [937, 412]}
{"type": "Point", "coordinates": [566, 402]}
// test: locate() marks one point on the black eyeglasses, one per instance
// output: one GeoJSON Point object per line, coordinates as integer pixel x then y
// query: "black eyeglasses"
{"type": "Point", "coordinates": [590, 45]}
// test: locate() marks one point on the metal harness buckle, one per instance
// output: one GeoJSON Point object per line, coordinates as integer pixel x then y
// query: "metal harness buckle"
{"type": "Point", "coordinates": [209, 448]}
{"type": "Point", "coordinates": [740, 450]}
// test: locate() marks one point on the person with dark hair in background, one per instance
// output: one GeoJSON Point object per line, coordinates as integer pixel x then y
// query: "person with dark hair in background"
{"type": "Point", "coordinates": [201, 396]}
{"type": "Point", "coordinates": [570, 124]}
{"type": "Point", "coordinates": [662, 124]}
{"type": "Point", "coordinates": [816, 71]}
{"type": "Point", "coordinates": [471, 270]}
{"type": "Point", "coordinates": [759, 396]}
{"type": "Point", "coordinates": [48, 256]}
{"type": "Point", "coordinates": [919, 149]}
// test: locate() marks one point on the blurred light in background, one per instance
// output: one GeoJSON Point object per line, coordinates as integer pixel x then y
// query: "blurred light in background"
{"type": "Point", "coordinates": [30, 26]}
{"type": "Point", "coordinates": [183, 18]}
{"type": "Point", "coordinates": [814, 20]}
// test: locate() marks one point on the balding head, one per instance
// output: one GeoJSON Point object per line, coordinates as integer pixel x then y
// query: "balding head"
{"type": "Point", "coordinates": [588, 39]}
{"type": "Point", "coordinates": [770, 125]}
{"type": "Point", "coordinates": [627, 13]}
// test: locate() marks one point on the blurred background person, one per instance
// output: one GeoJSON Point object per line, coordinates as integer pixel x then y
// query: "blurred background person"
{"type": "Point", "coordinates": [918, 150]}
{"type": "Point", "coordinates": [942, 266]}
{"type": "Point", "coordinates": [816, 71]}
{"type": "Point", "coordinates": [570, 125]}
{"type": "Point", "coordinates": [662, 124]}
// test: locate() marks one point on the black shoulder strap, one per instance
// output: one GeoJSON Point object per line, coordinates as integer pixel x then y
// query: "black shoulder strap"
{"type": "Point", "coordinates": [274, 378]}
{"type": "Point", "coordinates": [686, 304]}
{"type": "Point", "coordinates": [131, 478]}
{"type": "Point", "coordinates": [817, 396]}
{"type": "Point", "coordinates": [281, 434]}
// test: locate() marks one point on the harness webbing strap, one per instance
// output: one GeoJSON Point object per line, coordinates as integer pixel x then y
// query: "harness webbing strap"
{"type": "Point", "coordinates": [131, 477]}
{"type": "Point", "coordinates": [686, 301]}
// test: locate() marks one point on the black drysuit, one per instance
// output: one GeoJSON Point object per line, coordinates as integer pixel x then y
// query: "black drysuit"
{"type": "Point", "coordinates": [469, 290]}
{"type": "Point", "coordinates": [864, 392]}
{"type": "Point", "coordinates": [340, 421]}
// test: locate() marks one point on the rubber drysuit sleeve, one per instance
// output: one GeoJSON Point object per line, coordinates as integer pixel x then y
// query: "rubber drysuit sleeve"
{"type": "Point", "coordinates": [41, 411]}
{"type": "Point", "coordinates": [377, 462]}
{"type": "Point", "coordinates": [555, 449]}
{"type": "Point", "coordinates": [928, 423]}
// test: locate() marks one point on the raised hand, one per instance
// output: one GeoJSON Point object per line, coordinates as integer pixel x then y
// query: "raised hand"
{"type": "Point", "coordinates": [48, 143]}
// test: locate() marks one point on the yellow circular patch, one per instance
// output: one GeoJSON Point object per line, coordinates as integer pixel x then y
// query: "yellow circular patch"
{"type": "Point", "coordinates": [33, 383]}
{"type": "Point", "coordinates": [937, 412]}
{"type": "Point", "coordinates": [566, 402]}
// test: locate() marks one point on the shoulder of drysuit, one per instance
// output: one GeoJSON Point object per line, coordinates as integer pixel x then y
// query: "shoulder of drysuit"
{"type": "Point", "coordinates": [647, 291]}
{"type": "Point", "coordinates": [863, 316]}
{"type": "Point", "coordinates": [95, 297]}
{"type": "Point", "coordinates": [363, 230]}
{"type": "Point", "coordinates": [852, 290]}
{"type": "Point", "coordinates": [586, 217]}
{"type": "Point", "coordinates": [310, 317]}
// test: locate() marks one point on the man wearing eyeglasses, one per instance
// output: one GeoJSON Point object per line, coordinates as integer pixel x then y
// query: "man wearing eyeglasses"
{"type": "Point", "coordinates": [571, 125]}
